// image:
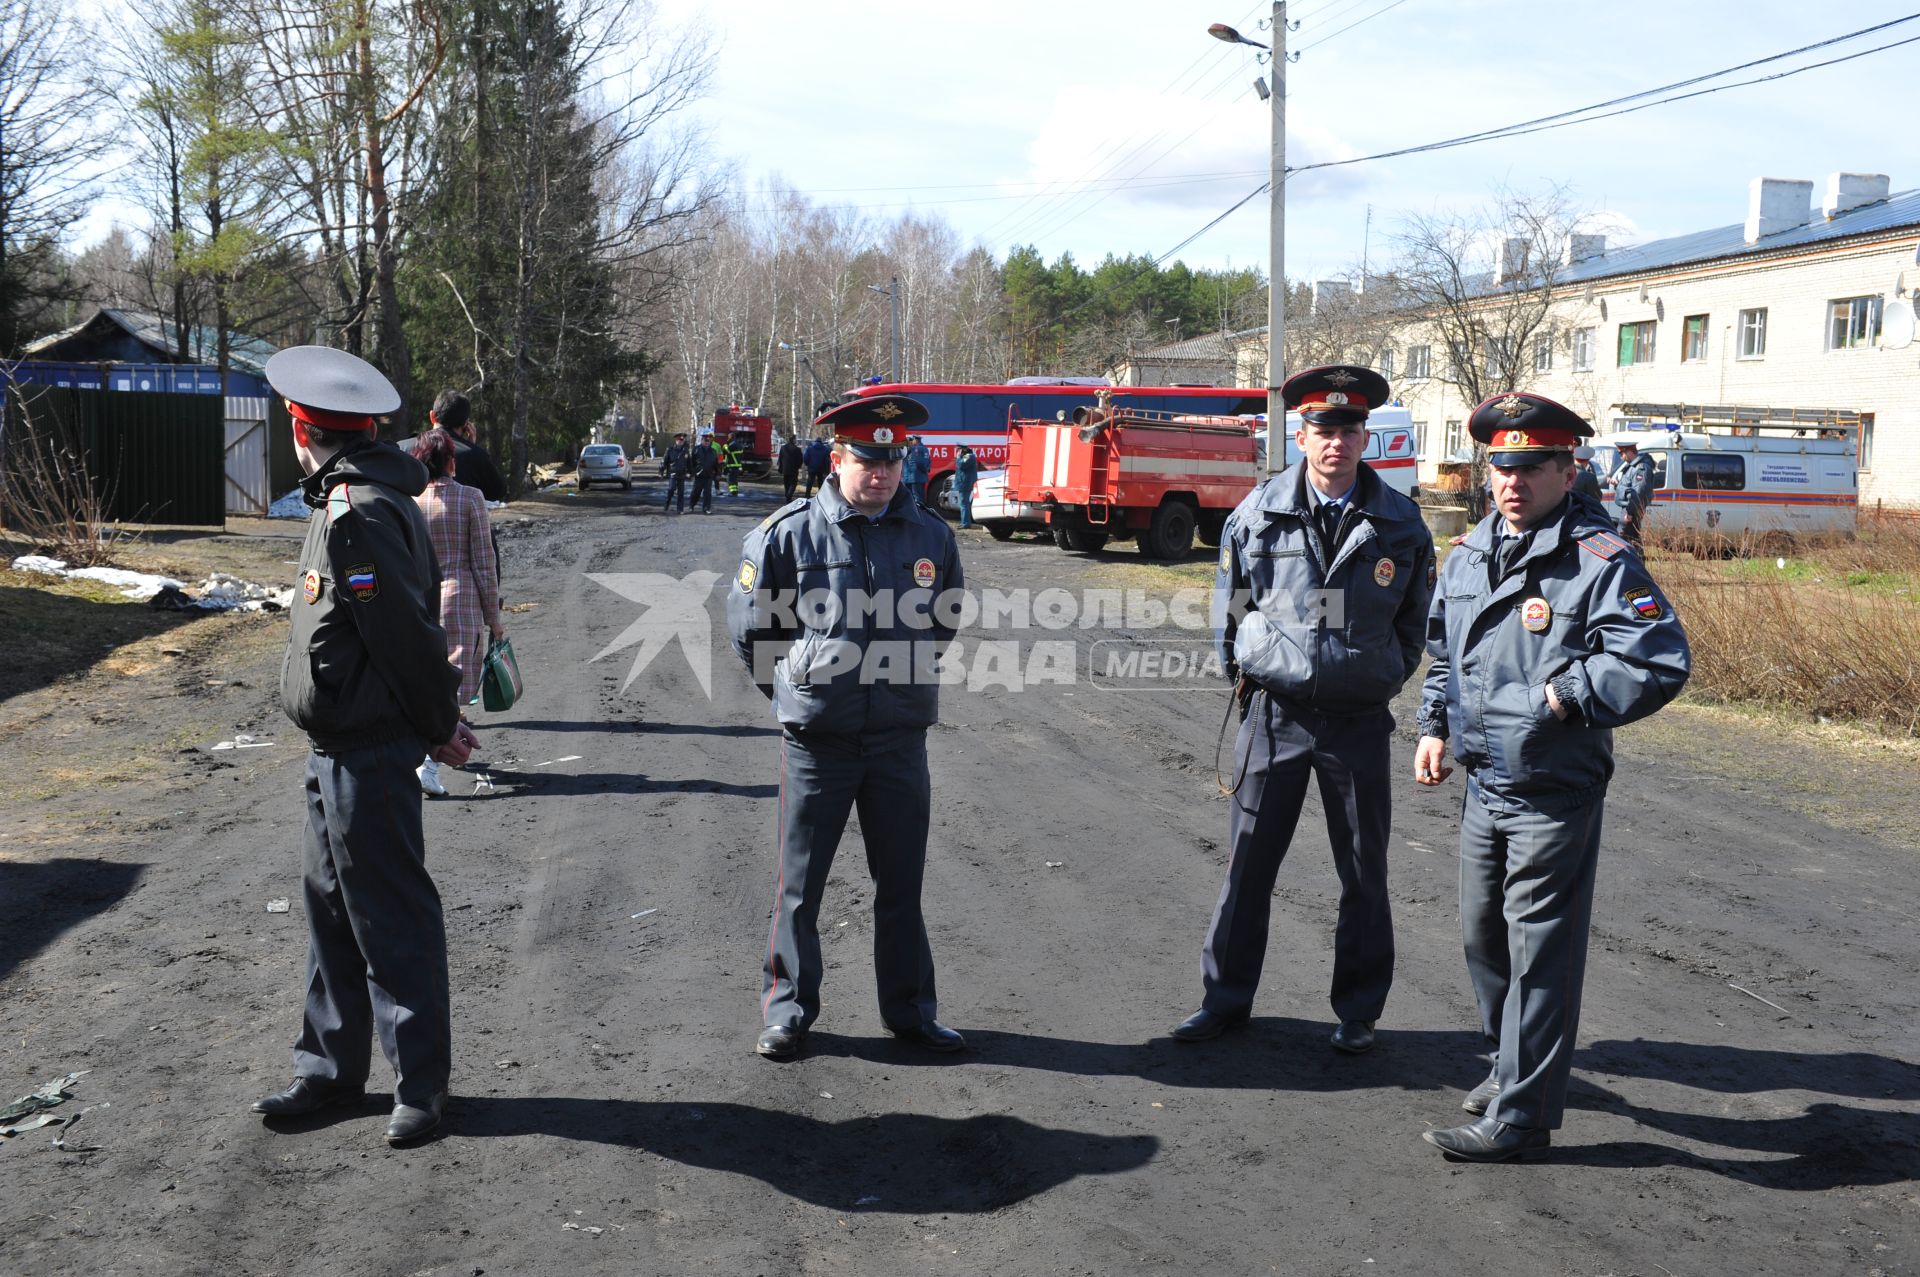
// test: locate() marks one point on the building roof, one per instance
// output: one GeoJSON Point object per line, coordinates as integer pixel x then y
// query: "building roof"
{"type": "Point", "coordinates": [1218, 346]}
{"type": "Point", "coordinates": [246, 354]}
{"type": "Point", "coordinates": [1894, 213]}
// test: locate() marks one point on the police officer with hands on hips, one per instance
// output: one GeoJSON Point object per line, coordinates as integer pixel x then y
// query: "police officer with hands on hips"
{"type": "Point", "coordinates": [367, 678]}
{"type": "Point", "coordinates": [1546, 634]}
{"type": "Point", "coordinates": [854, 692]}
{"type": "Point", "coordinates": [1319, 607]}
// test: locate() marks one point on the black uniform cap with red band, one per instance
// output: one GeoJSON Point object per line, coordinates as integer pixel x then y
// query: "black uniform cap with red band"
{"type": "Point", "coordinates": [875, 428]}
{"type": "Point", "coordinates": [330, 389]}
{"type": "Point", "coordinates": [1336, 394]}
{"type": "Point", "coordinates": [1522, 429]}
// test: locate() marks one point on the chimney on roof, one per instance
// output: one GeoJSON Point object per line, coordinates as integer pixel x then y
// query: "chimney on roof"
{"type": "Point", "coordinates": [1327, 290]}
{"type": "Point", "coordinates": [1582, 247]}
{"type": "Point", "coordinates": [1513, 261]}
{"type": "Point", "coordinates": [1851, 190]}
{"type": "Point", "coordinates": [1776, 204]}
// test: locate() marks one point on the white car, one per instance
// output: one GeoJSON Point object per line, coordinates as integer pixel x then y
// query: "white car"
{"type": "Point", "coordinates": [604, 463]}
{"type": "Point", "coordinates": [999, 516]}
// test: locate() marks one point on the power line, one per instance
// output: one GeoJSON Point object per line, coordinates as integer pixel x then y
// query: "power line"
{"type": "Point", "coordinates": [1351, 25]}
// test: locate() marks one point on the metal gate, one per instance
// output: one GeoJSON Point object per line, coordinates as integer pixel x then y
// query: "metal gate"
{"type": "Point", "coordinates": [246, 456]}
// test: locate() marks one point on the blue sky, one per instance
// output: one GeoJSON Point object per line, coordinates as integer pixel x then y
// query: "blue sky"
{"type": "Point", "coordinates": [996, 114]}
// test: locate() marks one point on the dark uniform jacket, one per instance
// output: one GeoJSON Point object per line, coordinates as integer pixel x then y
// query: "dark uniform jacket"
{"type": "Point", "coordinates": [1579, 605]}
{"type": "Point", "coordinates": [677, 461]}
{"type": "Point", "coordinates": [1633, 487]}
{"type": "Point", "coordinates": [1587, 484]}
{"type": "Point", "coordinates": [706, 461]}
{"type": "Point", "coordinates": [367, 659]}
{"type": "Point", "coordinates": [1338, 628]}
{"type": "Point", "coordinates": [822, 544]}
{"type": "Point", "coordinates": [790, 458]}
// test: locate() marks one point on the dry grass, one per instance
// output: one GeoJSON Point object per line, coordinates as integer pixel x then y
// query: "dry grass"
{"type": "Point", "coordinates": [1829, 628]}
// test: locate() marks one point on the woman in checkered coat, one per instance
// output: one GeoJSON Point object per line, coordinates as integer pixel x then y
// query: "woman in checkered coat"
{"type": "Point", "coordinates": [469, 578]}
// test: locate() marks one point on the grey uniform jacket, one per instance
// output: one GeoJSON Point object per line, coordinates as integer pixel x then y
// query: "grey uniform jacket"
{"type": "Point", "coordinates": [366, 658]}
{"type": "Point", "coordinates": [821, 546]}
{"type": "Point", "coordinates": [1633, 486]}
{"type": "Point", "coordinates": [1580, 605]}
{"type": "Point", "coordinates": [1341, 633]}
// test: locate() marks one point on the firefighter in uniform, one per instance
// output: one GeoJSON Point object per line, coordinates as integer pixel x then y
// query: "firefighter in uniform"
{"type": "Point", "coordinates": [367, 678]}
{"type": "Point", "coordinates": [854, 691]}
{"type": "Point", "coordinates": [1319, 607]}
{"type": "Point", "coordinates": [1546, 634]}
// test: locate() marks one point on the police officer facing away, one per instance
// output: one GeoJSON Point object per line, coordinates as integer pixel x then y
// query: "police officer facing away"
{"type": "Point", "coordinates": [1586, 483]}
{"type": "Point", "coordinates": [1546, 634]}
{"type": "Point", "coordinates": [1632, 491]}
{"type": "Point", "coordinates": [854, 692]}
{"type": "Point", "coordinates": [367, 678]}
{"type": "Point", "coordinates": [1320, 605]}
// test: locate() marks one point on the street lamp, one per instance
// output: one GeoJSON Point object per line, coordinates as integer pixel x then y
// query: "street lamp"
{"type": "Point", "coordinates": [1277, 224]}
{"type": "Point", "coordinates": [893, 306]}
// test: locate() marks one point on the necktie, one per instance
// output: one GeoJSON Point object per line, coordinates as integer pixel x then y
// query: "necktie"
{"type": "Point", "coordinates": [1507, 555]}
{"type": "Point", "coordinates": [1329, 518]}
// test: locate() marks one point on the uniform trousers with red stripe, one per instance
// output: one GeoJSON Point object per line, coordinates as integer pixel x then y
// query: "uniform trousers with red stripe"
{"type": "Point", "coordinates": [823, 779]}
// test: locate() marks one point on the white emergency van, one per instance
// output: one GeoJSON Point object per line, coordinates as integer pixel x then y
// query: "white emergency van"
{"type": "Point", "coordinates": [1793, 480]}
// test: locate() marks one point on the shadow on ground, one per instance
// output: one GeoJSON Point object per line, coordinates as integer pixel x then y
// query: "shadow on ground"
{"type": "Point", "coordinates": [901, 1163]}
{"type": "Point", "coordinates": [45, 899]}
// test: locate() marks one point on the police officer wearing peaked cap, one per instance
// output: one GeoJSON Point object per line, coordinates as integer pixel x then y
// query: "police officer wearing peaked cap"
{"type": "Point", "coordinates": [1546, 634]}
{"type": "Point", "coordinates": [1319, 605]}
{"type": "Point", "coordinates": [367, 678]}
{"type": "Point", "coordinates": [854, 693]}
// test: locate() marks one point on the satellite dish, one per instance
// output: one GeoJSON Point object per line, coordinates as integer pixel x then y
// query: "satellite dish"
{"type": "Point", "coordinates": [1896, 325]}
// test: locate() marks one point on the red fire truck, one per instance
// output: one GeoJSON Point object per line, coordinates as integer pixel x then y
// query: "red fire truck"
{"type": "Point", "coordinates": [1160, 477]}
{"type": "Point", "coordinates": [749, 433]}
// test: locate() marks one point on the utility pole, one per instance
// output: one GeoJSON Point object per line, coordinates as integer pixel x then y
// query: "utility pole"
{"type": "Point", "coordinates": [1277, 250]}
{"type": "Point", "coordinates": [893, 310]}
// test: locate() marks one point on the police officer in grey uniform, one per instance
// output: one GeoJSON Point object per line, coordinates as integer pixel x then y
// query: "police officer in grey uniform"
{"type": "Point", "coordinates": [1585, 482]}
{"type": "Point", "coordinates": [1632, 492]}
{"type": "Point", "coordinates": [1546, 634]}
{"type": "Point", "coordinates": [854, 690]}
{"type": "Point", "coordinates": [1320, 607]}
{"type": "Point", "coordinates": [367, 678]}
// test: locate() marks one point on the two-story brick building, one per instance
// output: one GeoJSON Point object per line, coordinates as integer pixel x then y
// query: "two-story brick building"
{"type": "Point", "coordinates": [1800, 313]}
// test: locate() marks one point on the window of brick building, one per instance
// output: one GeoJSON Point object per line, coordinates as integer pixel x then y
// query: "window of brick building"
{"type": "Point", "coordinates": [1753, 333]}
{"type": "Point", "coordinates": [1636, 342]}
{"type": "Point", "coordinates": [1693, 340]}
{"type": "Point", "coordinates": [1853, 322]}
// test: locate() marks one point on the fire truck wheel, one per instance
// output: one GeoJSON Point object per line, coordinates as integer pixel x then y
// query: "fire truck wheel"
{"type": "Point", "coordinates": [1208, 531]}
{"type": "Point", "coordinates": [1058, 532]}
{"type": "Point", "coordinates": [1086, 542]}
{"type": "Point", "coordinates": [1170, 536]}
{"type": "Point", "coordinates": [999, 531]}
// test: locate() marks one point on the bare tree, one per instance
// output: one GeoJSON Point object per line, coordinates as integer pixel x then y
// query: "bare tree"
{"type": "Point", "coordinates": [46, 147]}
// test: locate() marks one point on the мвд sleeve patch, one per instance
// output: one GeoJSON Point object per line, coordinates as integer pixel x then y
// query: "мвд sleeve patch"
{"type": "Point", "coordinates": [363, 582]}
{"type": "Point", "coordinates": [1645, 606]}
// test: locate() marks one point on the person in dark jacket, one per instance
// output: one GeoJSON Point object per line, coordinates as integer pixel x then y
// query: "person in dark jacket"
{"type": "Point", "coordinates": [1320, 605]}
{"type": "Point", "coordinates": [673, 468]}
{"type": "Point", "coordinates": [791, 459]}
{"type": "Point", "coordinates": [918, 468]}
{"type": "Point", "coordinates": [819, 455]}
{"type": "Point", "coordinates": [966, 473]}
{"type": "Point", "coordinates": [1586, 483]}
{"type": "Point", "coordinates": [472, 464]}
{"type": "Point", "coordinates": [368, 680]}
{"type": "Point", "coordinates": [1632, 492]}
{"type": "Point", "coordinates": [1546, 634]}
{"type": "Point", "coordinates": [854, 692]}
{"type": "Point", "coordinates": [706, 469]}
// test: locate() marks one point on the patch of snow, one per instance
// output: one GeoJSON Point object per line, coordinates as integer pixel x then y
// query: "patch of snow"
{"type": "Point", "coordinates": [291, 506]}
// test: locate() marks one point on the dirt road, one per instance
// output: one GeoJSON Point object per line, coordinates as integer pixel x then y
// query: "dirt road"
{"type": "Point", "coordinates": [1744, 1100]}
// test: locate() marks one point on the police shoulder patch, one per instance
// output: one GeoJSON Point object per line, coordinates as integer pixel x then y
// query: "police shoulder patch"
{"type": "Point", "coordinates": [339, 503]}
{"type": "Point", "coordinates": [1226, 555]}
{"type": "Point", "coordinates": [748, 575]}
{"type": "Point", "coordinates": [362, 582]}
{"type": "Point", "coordinates": [1641, 600]}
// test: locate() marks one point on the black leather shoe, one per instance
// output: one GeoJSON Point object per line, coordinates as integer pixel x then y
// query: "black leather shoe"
{"type": "Point", "coordinates": [1355, 1037]}
{"type": "Point", "coordinates": [1481, 1097]}
{"type": "Point", "coordinates": [410, 1122]}
{"type": "Point", "coordinates": [779, 1041]}
{"type": "Point", "coordinates": [307, 1095]}
{"type": "Point", "coordinates": [932, 1035]}
{"type": "Point", "coordinates": [1204, 1024]}
{"type": "Point", "coordinates": [1488, 1140]}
